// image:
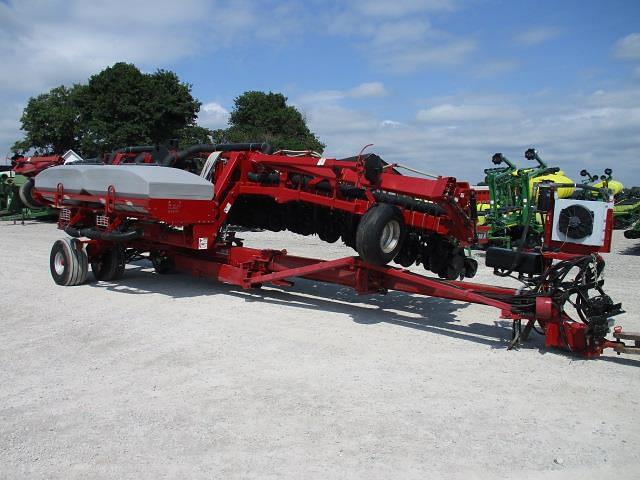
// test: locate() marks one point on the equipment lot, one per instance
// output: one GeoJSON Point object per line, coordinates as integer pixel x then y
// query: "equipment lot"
{"type": "Point", "coordinates": [177, 377]}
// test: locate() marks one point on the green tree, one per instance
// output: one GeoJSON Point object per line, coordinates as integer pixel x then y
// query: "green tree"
{"type": "Point", "coordinates": [193, 135]}
{"type": "Point", "coordinates": [117, 107]}
{"type": "Point", "coordinates": [259, 116]}
{"type": "Point", "coordinates": [123, 106]}
{"type": "Point", "coordinates": [51, 122]}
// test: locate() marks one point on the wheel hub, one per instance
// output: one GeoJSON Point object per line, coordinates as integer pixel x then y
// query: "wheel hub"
{"type": "Point", "coordinates": [390, 236]}
{"type": "Point", "coordinates": [58, 263]}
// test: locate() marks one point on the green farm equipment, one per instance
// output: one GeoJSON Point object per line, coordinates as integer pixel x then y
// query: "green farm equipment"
{"type": "Point", "coordinates": [633, 231]}
{"type": "Point", "coordinates": [626, 212]}
{"type": "Point", "coordinates": [11, 205]}
{"type": "Point", "coordinates": [626, 209]}
{"type": "Point", "coordinates": [511, 219]}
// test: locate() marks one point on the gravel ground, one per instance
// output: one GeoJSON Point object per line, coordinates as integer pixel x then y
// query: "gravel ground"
{"type": "Point", "coordinates": [177, 377]}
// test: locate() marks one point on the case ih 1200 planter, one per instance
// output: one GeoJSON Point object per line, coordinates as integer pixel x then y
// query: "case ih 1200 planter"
{"type": "Point", "coordinates": [179, 220]}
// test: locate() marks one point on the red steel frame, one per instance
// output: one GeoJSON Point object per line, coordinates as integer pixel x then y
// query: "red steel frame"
{"type": "Point", "coordinates": [224, 261]}
{"type": "Point", "coordinates": [250, 268]}
{"type": "Point", "coordinates": [31, 166]}
{"type": "Point", "coordinates": [203, 219]}
{"type": "Point", "coordinates": [454, 197]}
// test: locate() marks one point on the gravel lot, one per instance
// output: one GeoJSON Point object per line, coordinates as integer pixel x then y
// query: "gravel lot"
{"type": "Point", "coordinates": [176, 377]}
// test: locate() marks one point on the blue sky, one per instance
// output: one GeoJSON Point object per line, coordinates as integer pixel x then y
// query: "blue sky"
{"type": "Point", "coordinates": [437, 84]}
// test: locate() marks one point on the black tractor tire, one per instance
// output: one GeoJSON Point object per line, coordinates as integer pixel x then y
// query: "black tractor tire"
{"type": "Point", "coordinates": [328, 234]}
{"type": "Point", "coordinates": [470, 267]}
{"type": "Point", "coordinates": [109, 265]}
{"type": "Point", "coordinates": [410, 252]}
{"type": "Point", "coordinates": [455, 267]}
{"type": "Point", "coordinates": [26, 195]}
{"type": "Point", "coordinates": [632, 233]}
{"type": "Point", "coordinates": [68, 262]}
{"type": "Point", "coordinates": [162, 264]}
{"type": "Point", "coordinates": [380, 234]}
{"type": "Point", "coordinates": [404, 259]}
{"type": "Point", "coordinates": [348, 233]}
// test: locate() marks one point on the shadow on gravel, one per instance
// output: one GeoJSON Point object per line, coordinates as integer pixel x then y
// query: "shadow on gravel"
{"type": "Point", "coordinates": [427, 314]}
{"type": "Point", "coordinates": [25, 223]}
{"type": "Point", "coordinates": [630, 362]}
{"type": "Point", "coordinates": [632, 250]}
{"type": "Point", "coordinates": [578, 358]}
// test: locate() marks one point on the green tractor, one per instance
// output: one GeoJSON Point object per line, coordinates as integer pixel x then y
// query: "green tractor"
{"type": "Point", "coordinates": [510, 218]}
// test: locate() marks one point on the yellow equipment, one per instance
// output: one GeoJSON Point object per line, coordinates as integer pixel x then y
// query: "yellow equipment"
{"type": "Point", "coordinates": [558, 177]}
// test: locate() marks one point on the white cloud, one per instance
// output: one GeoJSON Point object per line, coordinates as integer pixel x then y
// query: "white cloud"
{"type": "Point", "coordinates": [332, 120]}
{"type": "Point", "coordinates": [399, 8]}
{"type": "Point", "coordinates": [390, 124]}
{"type": "Point", "coordinates": [370, 89]}
{"type": "Point", "coordinates": [45, 44]}
{"type": "Point", "coordinates": [56, 42]}
{"type": "Point", "coordinates": [64, 41]}
{"type": "Point", "coordinates": [536, 35]}
{"type": "Point", "coordinates": [628, 48]}
{"type": "Point", "coordinates": [325, 114]}
{"type": "Point", "coordinates": [213, 115]}
{"type": "Point", "coordinates": [367, 89]}
{"type": "Point", "coordinates": [405, 59]}
{"type": "Point", "coordinates": [398, 36]}
{"type": "Point", "coordinates": [457, 136]}
{"type": "Point", "coordinates": [447, 113]}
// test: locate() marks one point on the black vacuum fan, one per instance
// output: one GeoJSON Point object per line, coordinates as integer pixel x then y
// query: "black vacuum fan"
{"type": "Point", "coordinates": [576, 221]}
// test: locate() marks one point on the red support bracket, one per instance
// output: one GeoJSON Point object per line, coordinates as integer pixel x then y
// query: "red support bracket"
{"type": "Point", "coordinates": [59, 196]}
{"type": "Point", "coordinates": [110, 204]}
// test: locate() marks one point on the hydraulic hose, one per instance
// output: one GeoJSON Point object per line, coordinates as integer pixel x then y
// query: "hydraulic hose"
{"type": "Point", "coordinates": [136, 149]}
{"type": "Point", "coordinates": [94, 234]}
{"type": "Point", "coordinates": [212, 147]}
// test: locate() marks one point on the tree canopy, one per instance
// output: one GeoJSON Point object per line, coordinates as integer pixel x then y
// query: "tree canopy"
{"type": "Point", "coordinates": [123, 106]}
{"type": "Point", "coordinates": [259, 116]}
{"type": "Point", "coordinates": [117, 107]}
{"type": "Point", "coordinates": [51, 122]}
